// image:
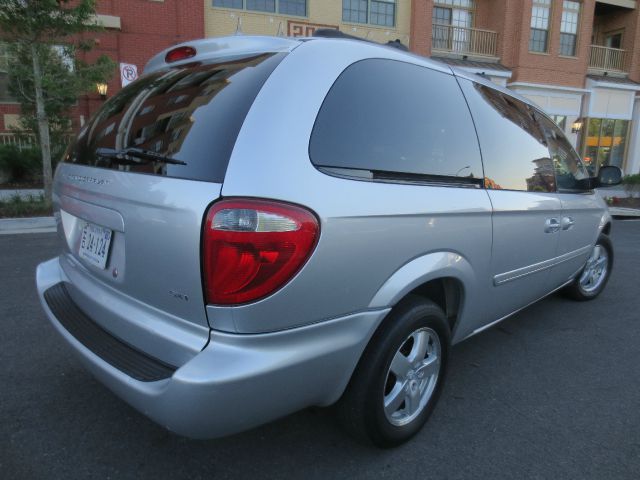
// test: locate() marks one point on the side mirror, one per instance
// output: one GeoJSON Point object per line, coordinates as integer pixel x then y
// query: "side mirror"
{"type": "Point", "coordinates": [609, 176]}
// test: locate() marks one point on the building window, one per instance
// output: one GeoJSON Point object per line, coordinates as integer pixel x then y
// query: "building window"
{"type": "Point", "coordinates": [284, 7]}
{"type": "Point", "coordinates": [354, 11]}
{"type": "Point", "coordinates": [261, 5]}
{"type": "Point", "coordinates": [569, 28]}
{"type": "Point", "coordinates": [451, 20]}
{"type": "Point", "coordinates": [613, 40]}
{"type": "Point", "coordinates": [375, 12]}
{"type": "Point", "coordinates": [228, 3]}
{"type": "Point", "coordinates": [5, 92]}
{"type": "Point", "coordinates": [605, 143]}
{"type": "Point", "coordinates": [4, 74]}
{"type": "Point", "coordinates": [293, 7]}
{"type": "Point", "coordinates": [539, 36]}
{"type": "Point", "coordinates": [383, 13]}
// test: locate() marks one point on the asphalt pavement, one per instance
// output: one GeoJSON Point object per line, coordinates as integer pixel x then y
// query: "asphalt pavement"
{"type": "Point", "coordinates": [552, 392]}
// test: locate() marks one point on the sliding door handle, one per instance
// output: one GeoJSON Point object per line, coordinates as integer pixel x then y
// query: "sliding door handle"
{"type": "Point", "coordinates": [551, 225]}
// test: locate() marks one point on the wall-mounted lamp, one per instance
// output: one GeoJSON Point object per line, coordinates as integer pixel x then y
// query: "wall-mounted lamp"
{"type": "Point", "coordinates": [102, 90]}
{"type": "Point", "coordinates": [577, 126]}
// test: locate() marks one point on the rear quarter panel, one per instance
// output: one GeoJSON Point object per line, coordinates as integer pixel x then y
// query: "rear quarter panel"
{"type": "Point", "coordinates": [369, 231]}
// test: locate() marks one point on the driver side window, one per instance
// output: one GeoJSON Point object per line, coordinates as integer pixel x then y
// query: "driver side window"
{"type": "Point", "coordinates": [571, 175]}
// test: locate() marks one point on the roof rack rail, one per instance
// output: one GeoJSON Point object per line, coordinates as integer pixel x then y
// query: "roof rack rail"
{"type": "Point", "coordinates": [334, 33]}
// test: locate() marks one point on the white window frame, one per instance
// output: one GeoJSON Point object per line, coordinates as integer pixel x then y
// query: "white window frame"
{"type": "Point", "coordinates": [276, 12]}
{"type": "Point", "coordinates": [369, 22]}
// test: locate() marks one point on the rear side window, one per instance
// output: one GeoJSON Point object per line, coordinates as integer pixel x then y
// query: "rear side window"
{"type": "Point", "coordinates": [396, 120]}
{"type": "Point", "coordinates": [513, 144]}
{"type": "Point", "coordinates": [191, 113]}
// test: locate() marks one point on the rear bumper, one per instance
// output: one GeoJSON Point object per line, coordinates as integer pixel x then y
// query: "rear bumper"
{"type": "Point", "coordinates": [237, 381]}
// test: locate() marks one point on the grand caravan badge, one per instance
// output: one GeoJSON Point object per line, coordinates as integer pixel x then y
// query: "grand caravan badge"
{"type": "Point", "coordinates": [87, 179]}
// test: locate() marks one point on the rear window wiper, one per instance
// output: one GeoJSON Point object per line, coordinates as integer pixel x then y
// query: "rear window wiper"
{"type": "Point", "coordinates": [135, 156]}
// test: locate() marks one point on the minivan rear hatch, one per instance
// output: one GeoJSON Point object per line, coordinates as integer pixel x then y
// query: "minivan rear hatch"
{"type": "Point", "coordinates": [135, 186]}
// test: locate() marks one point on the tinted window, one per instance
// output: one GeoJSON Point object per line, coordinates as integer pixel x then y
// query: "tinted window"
{"type": "Point", "coordinates": [390, 116]}
{"type": "Point", "coordinates": [514, 147]}
{"type": "Point", "coordinates": [571, 175]}
{"type": "Point", "coordinates": [190, 113]}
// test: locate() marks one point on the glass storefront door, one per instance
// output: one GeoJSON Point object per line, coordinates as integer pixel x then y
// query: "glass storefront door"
{"type": "Point", "coordinates": [605, 142]}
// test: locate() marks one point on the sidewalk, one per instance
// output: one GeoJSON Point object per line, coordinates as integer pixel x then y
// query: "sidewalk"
{"type": "Point", "coordinates": [620, 212]}
{"type": "Point", "coordinates": [617, 191]}
{"type": "Point", "coordinates": [10, 226]}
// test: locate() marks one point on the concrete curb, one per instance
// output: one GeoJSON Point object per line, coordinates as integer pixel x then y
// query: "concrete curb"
{"type": "Point", "coordinates": [10, 226]}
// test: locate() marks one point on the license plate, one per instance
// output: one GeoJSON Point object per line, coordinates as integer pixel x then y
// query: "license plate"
{"type": "Point", "coordinates": [94, 244]}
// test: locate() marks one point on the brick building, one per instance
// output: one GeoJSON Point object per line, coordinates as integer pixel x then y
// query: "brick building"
{"type": "Point", "coordinates": [578, 60]}
{"type": "Point", "coordinates": [377, 20]}
{"type": "Point", "coordinates": [134, 30]}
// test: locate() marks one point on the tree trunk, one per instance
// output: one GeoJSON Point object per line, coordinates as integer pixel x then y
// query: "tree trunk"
{"type": "Point", "coordinates": [43, 125]}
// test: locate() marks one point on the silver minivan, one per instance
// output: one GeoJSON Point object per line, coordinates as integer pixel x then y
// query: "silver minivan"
{"type": "Point", "coordinates": [259, 225]}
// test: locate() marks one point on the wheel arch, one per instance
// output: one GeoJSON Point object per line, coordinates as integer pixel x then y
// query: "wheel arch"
{"type": "Point", "coordinates": [442, 277]}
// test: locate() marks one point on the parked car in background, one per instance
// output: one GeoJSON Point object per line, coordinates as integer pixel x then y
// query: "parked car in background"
{"type": "Point", "coordinates": [259, 225]}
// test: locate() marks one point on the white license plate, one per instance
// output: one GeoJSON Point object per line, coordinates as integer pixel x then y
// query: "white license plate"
{"type": "Point", "coordinates": [94, 244]}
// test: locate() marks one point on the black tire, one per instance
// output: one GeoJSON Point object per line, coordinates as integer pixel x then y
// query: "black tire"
{"type": "Point", "coordinates": [361, 408]}
{"type": "Point", "coordinates": [576, 290]}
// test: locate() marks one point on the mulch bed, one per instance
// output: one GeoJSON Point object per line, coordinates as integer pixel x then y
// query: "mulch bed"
{"type": "Point", "coordinates": [20, 186]}
{"type": "Point", "coordinates": [625, 202]}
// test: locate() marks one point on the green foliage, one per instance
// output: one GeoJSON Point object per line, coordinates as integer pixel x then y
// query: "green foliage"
{"type": "Point", "coordinates": [631, 184]}
{"type": "Point", "coordinates": [46, 73]}
{"type": "Point", "coordinates": [633, 179]}
{"type": "Point", "coordinates": [64, 79]}
{"type": "Point", "coordinates": [31, 206]}
{"type": "Point", "coordinates": [21, 165]}
{"type": "Point", "coordinates": [38, 20]}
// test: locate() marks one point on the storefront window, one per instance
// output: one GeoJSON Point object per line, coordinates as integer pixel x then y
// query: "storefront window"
{"type": "Point", "coordinates": [605, 143]}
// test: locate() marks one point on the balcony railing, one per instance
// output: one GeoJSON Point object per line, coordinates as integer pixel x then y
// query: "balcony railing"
{"type": "Point", "coordinates": [20, 141]}
{"type": "Point", "coordinates": [608, 59]}
{"type": "Point", "coordinates": [26, 141]}
{"type": "Point", "coordinates": [464, 40]}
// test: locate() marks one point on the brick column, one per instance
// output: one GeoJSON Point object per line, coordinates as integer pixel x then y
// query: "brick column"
{"type": "Point", "coordinates": [420, 40]}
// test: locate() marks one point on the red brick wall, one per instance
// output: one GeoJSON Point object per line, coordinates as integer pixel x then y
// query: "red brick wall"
{"type": "Point", "coordinates": [551, 68]}
{"type": "Point", "coordinates": [511, 19]}
{"type": "Point", "coordinates": [147, 27]}
{"type": "Point", "coordinates": [420, 38]}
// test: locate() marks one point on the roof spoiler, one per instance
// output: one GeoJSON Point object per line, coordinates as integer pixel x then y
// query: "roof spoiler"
{"type": "Point", "coordinates": [334, 33]}
{"type": "Point", "coordinates": [223, 47]}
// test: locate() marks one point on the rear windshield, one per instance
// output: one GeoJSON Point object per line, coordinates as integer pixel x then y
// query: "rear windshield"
{"type": "Point", "coordinates": [192, 113]}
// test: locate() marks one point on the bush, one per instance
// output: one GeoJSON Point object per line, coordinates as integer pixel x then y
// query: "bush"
{"type": "Point", "coordinates": [631, 184]}
{"type": "Point", "coordinates": [31, 206]}
{"type": "Point", "coordinates": [20, 165]}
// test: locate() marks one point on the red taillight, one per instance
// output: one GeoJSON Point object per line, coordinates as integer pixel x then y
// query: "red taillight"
{"type": "Point", "coordinates": [253, 247]}
{"type": "Point", "coordinates": [179, 53]}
